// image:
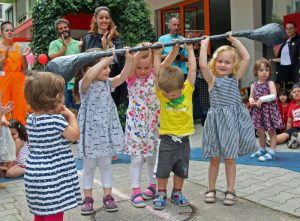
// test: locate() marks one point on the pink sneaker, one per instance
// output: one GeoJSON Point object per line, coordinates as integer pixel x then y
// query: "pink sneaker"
{"type": "Point", "coordinates": [110, 204]}
{"type": "Point", "coordinates": [87, 206]}
{"type": "Point", "coordinates": [149, 193]}
{"type": "Point", "coordinates": [137, 200]}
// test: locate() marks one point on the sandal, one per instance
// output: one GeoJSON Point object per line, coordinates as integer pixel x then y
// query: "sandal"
{"type": "Point", "coordinates": [229, 201]}
{"type": "Point", "coordinates": [210, 198]}
{"type": "Point", "coordinates": [179, 199]}
{"type": "Point", "coordinates": [137, 203]}
{"type": "Point", "coordinates": [148, 196]}
{"type": "Point", "coordinates": [160, 202]}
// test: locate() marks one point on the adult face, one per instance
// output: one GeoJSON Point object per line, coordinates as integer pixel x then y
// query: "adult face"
{"type": "Point", "coordinates": [103, 20]}
{"type": "Point", "coordinates": [290, 30]}
{"type": "Point", "coordinates": [8, 32]}
{"type": "Point", "coordinates": [174, 26]}
{"type": "Point", "coordinates": [64, 30]}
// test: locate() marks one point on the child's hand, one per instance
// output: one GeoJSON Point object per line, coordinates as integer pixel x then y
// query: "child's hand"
{"type": "Point", "coordinates": [252, 102]}
{"type": "Point", "coordinates": [4, 122]}
{"type": "Point", "coordinates": [205, 41]}
{"type": "Point", "coordinates": [188, 47]}
{"type": "Point", "coordinates": [66, 112]}
{"type": "Point", "coordinates": [110, 58]}
{"type": "Point", "coordinates": [230, 37]}
{"type": "Point", "coordinates": [158, 50]}
{"type": "Point", "coordinates": [258, 103]}
{"type": "Point", "coordinates": [128, 56]}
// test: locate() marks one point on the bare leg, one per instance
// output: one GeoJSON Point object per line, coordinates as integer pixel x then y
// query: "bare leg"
{"type": "Point", "coordinates": [15, 171]}
{"type": "Point", "coordinates": [282, 138]}
{"type": "Point", "coordinates": [178, 182]}
{"type": "Point", "coordinates": [88, 193]}
{"type": "Point", "coordinates": [230, 169]}
{"type": "Point", "coordinates": [262, 138]}
{"type": "Point", "coordinates": [107, 191]}
{"type": "Point", "coordinates": [162, 184]}
{"type": "Point", "coordinates": [273, 139]}
{"type": "Point", "coordinates": [213, 171]}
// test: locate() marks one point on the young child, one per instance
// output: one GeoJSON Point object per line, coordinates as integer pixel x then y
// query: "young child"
{"type": "Point", "coordinates": [176, 124]}
{"type": "Point", "coordinates": [284, 105]}
{"type": "Point", "coordinates": [18, 133]}
{"type": "Point", "coordinates": [293, 121]}
{"type": "Point", "coordinates": [264, 109]}
{"type": "Point", "coordinates": [51, 181]}
{"type": "Point", "coordinates": [142, 120]}
{"type": "Point", "coordinates": [7, 145]}
{"type": "Point", "coordinates": [228, 131]}
{"type": "Point", "coordinates": [101, 134]}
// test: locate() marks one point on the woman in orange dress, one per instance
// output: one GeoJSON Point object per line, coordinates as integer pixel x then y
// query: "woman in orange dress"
{"type": "Point", "coordinates": [12, 62]}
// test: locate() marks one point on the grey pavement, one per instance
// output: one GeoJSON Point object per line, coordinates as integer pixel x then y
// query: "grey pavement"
{"type": "Point", "coordinates": [264, 193]}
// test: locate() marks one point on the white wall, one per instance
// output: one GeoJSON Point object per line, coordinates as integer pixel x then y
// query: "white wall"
{"type": "Point", "coordinates": [246, 15]}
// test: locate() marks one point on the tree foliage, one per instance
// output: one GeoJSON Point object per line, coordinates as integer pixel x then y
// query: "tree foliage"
{"type": "Point", "coordinates": [132, 18]}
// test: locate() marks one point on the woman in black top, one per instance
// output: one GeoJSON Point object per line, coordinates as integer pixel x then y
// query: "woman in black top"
{"type": "Point", "coordinates": [289, 58]}
{"type": "Point", "coordinates": [103, 34]}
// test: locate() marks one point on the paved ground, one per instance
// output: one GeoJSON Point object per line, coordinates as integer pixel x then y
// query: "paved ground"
{"type": "Point", "coordinates": [265, 193]}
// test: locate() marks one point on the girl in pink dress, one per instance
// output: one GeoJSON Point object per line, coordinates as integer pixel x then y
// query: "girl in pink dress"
{"type": "Point", "coordinates": [142, 120]}
{"type": "Point", "coordinates": [264, 110]}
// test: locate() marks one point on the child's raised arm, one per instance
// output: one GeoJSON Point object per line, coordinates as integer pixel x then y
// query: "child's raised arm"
{"type": "Point", "coordinates": [191, 64]}
{"type": "Point", "coordinates": [245, 57]}
{"type": "Point", "coordinates": [93, 72]}
{"type": "Point", "coordinates": [157, 58]}
{"type": "Point", "coordinates": [137, 56]}
{"type": "Point", "coordinates": [128, 68]}
{"type": "Point", "coordinates": [208, 76]}
{"type": "Point", "coordinates": [171, 56]}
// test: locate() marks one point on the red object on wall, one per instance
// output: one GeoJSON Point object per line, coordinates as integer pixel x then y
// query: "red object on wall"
{"type": "Point", "coordinates": [79, 21]}
{"type": "Point", "coordinates": [292, 17]}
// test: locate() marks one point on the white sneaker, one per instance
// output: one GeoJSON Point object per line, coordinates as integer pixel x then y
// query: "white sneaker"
{"type": "Point", "coordinates": [293, 142]}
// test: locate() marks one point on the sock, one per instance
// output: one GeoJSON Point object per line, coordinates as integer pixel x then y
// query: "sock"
{"type": "Point", "coordinates": [149, 192]}
{"type": "Point", "coordinates": [262, 149]}
{"type": "Point", "coordinates": [153, 185]}
{"type": "Point", "coordinates": [162, 190]}
{"type": "Point", "coordinates": [176, 190]}
{"type": "Point", "coordinates": [272, 152]}
{"type": "Point", "coordinates": [136, 191]}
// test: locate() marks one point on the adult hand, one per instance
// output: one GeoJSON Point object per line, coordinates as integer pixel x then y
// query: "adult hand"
{"type": "Point", "coordinates": [7, 108]}
{"type": "Point", "coordinates": [64, 41]}
{"type": "Point", "coordinates": [26, 52]}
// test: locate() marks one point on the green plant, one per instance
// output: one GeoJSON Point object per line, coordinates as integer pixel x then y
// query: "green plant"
{"type": "Point", "coordinates": [122, 110]}
{"type": "Point", "coordinates": [131, 16]}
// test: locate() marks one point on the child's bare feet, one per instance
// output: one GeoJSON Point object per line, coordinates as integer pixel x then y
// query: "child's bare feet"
{"type": "Point", "coordinates": [2, 185]}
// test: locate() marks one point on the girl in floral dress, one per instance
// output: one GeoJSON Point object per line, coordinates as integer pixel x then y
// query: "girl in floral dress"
{"type": "Point", "coordinates": [264, 109]}
{"type": "Point", "coordinates": [142, 120]}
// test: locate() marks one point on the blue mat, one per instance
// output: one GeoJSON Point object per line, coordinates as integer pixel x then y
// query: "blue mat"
{"type": "Point", "coordinates": [285, 160]}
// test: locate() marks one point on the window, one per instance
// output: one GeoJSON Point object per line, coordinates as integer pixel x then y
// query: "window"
{"type": "Point", "coordinates": [20, 10]}
{"type": "Point", "coordinates": [191, 13]}
{"type": "Point", "coordinates": [9, 15]}
{"type": "Point", "coordinates": [1, 17]}
{"type": "Point", "coordinates": [31, 2]}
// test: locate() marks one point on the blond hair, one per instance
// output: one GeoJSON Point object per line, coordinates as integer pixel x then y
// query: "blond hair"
{"type": "Point", "coordinates": [170, 79]}
{"type": "Point", "coordinates": [43, 90]}
{"type": "Point", "coordinates": [236, 59]}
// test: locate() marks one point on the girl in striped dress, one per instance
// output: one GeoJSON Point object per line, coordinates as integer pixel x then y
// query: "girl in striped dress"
{"type": "Point", "coordinates": [51, 181]}
{"type": "Point", "coordinates": [228, 131]}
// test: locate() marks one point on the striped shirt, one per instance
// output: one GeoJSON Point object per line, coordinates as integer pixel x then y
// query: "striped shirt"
{"type": "Point", "coordinates": [51, 182]}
